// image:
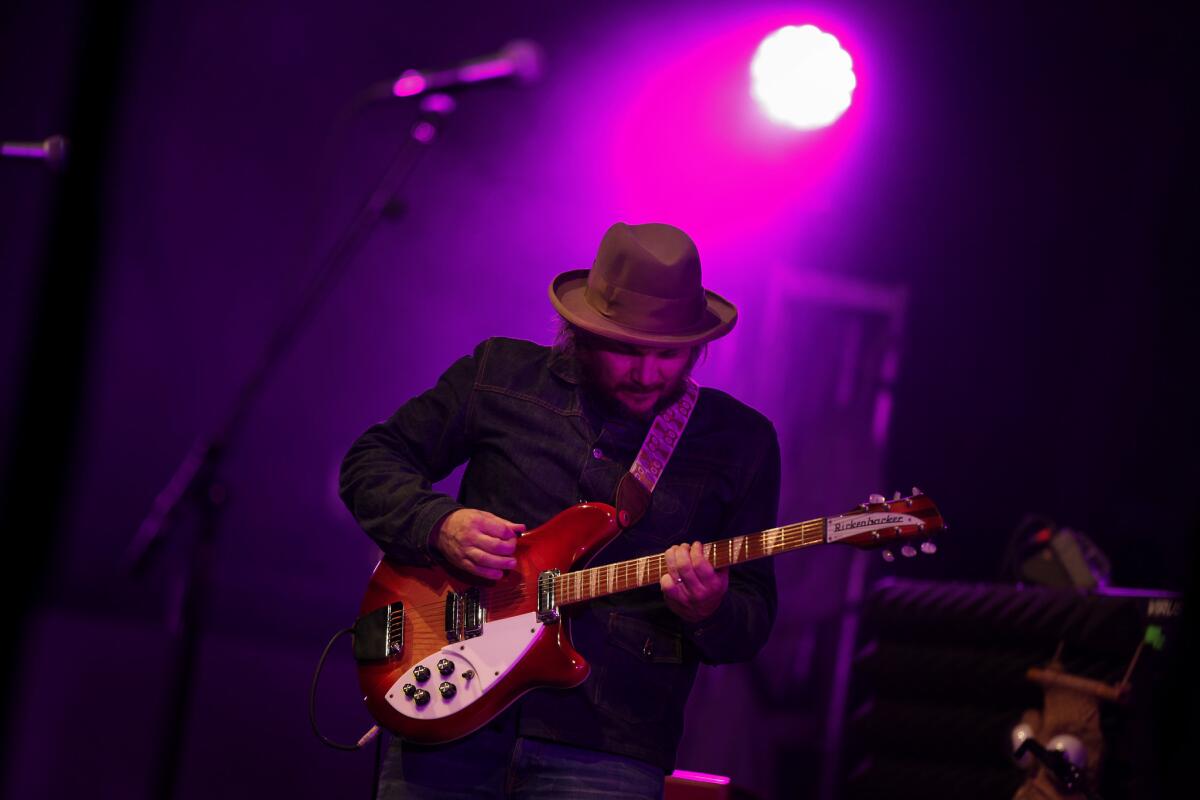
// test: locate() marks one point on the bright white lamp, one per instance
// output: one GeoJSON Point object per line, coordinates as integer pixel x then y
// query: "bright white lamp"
{"type": "Point", "coordinates": [802, 77]}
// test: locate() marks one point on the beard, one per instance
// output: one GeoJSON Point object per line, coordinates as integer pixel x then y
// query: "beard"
{"type": "Point", "coordinates": [604, 393]}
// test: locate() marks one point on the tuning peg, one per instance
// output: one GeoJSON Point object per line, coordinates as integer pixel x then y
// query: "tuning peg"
{"type": "Point", "coordinates": [875, 499]}
{"type": "Point", "coordinates": [908, 551]}
{"type": "Point", "coordinates": [888, 556]}
{"type": "Point", "coordinates": [896, 495]}
{"type": "Point", "coordinates": [928, 547]}
{"type": "Point", "coordinates": [917, 491]}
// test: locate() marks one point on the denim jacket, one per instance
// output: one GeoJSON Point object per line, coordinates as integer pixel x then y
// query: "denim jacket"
{"type": "Point", "coordinates": [534, 445]}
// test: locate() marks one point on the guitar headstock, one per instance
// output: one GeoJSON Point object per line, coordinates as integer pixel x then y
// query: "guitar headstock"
{"type": "Point", "coordinates": [908, 521]}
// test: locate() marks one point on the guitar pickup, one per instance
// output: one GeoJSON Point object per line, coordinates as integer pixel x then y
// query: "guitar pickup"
{"type": "Point", "coordinates": [464, 615]}
{"type": "Point", "coordinates": [379, 634]}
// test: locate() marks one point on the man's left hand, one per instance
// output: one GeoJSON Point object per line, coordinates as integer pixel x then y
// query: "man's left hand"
{"type": "Point", "coordinates": [691, 587]}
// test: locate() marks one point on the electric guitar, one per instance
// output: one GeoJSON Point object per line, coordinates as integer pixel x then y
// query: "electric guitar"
{"type": "Point", "coordinates": [440, 653]}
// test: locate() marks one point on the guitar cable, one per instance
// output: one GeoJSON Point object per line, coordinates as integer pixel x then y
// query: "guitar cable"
{"type": "Point", "coordinates": [312, 704]}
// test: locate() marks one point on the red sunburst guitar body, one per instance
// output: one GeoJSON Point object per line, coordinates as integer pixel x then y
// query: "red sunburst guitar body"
{"type": "Point", "coordinates": [440, 653]}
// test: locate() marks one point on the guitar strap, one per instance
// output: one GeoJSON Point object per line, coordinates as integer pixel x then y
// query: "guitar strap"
{"type": "Point", "coordinates": [636, 486]}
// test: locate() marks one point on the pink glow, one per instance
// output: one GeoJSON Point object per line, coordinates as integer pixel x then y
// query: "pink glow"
{"type": "Point", "coordinates": [484, 70]}
{"type": "Point", "coordinates": [424, 132]}
{"type": "Point", "coordinates": [688, 144]}
{"type": "Point", "coordinates": [438, 103]}
{"type": "Point", "coordinates": [408, 84]}
{"type": "Point", "coordinates": [700, 777]}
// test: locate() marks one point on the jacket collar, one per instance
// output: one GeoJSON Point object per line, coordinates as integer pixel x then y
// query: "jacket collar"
{"type": "Point", "coordinates": [564, 366]}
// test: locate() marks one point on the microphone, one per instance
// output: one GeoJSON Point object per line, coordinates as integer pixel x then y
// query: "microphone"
{"type": "Point", "coordinates": [52, 151]}
{"type": "Point", "coordinates": [520, 60]}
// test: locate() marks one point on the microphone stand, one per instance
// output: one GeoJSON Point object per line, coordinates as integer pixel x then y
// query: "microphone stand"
{"type": "Point", "coordinates": [196, 482]}
{"type": "Point", "coordinates": [51, 151]}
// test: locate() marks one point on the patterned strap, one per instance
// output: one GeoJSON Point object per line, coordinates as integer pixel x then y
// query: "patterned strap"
{"type": "Point", "coordinates": [633, 496]}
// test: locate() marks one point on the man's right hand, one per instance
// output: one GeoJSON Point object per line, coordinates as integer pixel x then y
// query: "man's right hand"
{"type": "Point", "coordinates": [477, 542]}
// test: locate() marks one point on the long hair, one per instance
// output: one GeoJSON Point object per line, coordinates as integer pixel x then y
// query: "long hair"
{"type": "Point", "coordinates": [573, 341]}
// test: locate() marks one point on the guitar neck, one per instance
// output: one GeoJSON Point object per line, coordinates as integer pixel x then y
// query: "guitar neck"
{"type": "Point", "coordinates": [622, 576]}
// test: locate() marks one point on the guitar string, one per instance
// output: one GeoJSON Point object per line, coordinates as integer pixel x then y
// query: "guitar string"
{"type": "Point", "coordinates": [436, 639]}
{"type": "Point", "coordinates": [627, 569]}
{"type": "Point", "coordinates": [623, 579]}
{"type": "Point", "coordinates": [596, 581]}
{"type": "Point", "coordinates": [624, 572]}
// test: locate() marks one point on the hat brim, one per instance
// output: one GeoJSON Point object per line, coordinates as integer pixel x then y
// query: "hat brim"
{"type": "Point", "coordinates": [567, 294]}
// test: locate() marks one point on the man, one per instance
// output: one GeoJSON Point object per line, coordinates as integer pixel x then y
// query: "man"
{"type": "Point", "coordinates": [541, 429]}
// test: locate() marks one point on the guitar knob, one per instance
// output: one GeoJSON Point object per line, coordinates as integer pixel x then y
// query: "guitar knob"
{"type": "Point", "coordinates": [408, 689]}
{"type": "Point", "coordinates": [421, 673]}
{"type": "Point", "coordinates": [928, 547]}
{"type": "Point", "coordinates": [447, 689]}
{"type": "Point", "coordinates": [908, 551]}
{"type": "Point", "coordinates": [888, 556]}
{"type": "Point", "coordinates": [875, 499]}
{"type": "Point", "coordinates": [445, 666]}
{"type": "Point", "coordinates": [421, 697]}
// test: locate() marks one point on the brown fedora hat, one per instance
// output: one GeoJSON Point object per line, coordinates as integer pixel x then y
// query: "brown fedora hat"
{"type": "Point", "coordinates": [644, 289]}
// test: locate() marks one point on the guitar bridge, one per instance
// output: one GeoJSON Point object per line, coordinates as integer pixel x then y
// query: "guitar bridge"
{"type": "Point", "coordinates": [379, 634]}
{"type": "Point", "coordinates": [547, 612]}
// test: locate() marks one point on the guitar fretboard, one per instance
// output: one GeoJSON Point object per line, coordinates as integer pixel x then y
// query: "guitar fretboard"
{"type": "Point", "coordinates": [586, 584]}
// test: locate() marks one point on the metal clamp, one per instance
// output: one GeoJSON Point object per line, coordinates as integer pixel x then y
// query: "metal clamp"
{"type": "Point", "coordinates": [472, 613]}
{"type": "Point", "coordinates": [547, 602]}
{"type": "Point", "coordinates": [454, 618]}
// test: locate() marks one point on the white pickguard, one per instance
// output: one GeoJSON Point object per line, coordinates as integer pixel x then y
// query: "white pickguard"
{"type": "Point", "coordinates": [490, 656]}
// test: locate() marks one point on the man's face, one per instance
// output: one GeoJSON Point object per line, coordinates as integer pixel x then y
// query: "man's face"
{"type": "Point", "coordinates": [641, 380]}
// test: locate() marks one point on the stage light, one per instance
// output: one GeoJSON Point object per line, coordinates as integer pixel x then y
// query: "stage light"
{"type": "Point", "coordinates": [802, 77]}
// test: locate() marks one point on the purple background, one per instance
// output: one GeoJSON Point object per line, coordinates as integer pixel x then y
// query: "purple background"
{"type": "Point", "coordinates": [996, 242]}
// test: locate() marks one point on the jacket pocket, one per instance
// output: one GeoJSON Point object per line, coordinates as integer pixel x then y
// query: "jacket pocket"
{"type": "Point", "coordinates": [643, 677]}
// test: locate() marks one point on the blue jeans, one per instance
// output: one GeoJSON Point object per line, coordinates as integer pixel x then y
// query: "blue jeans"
{"type": "Point", "coordinates": [496, 763]}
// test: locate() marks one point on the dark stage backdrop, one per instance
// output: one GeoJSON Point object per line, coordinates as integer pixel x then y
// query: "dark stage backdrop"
{"type": "Point", "coordinates": [999, 234]}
